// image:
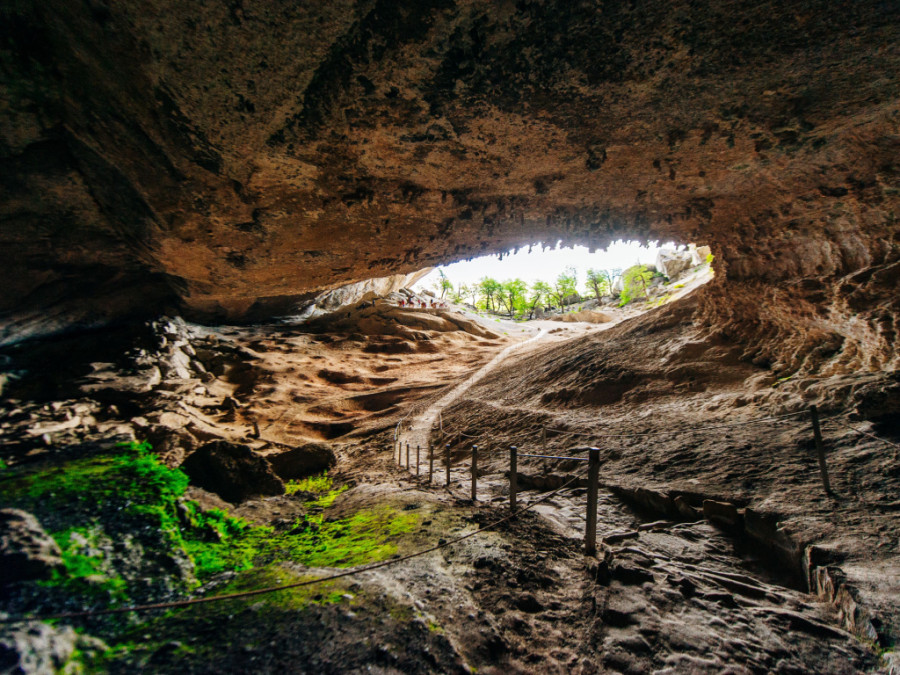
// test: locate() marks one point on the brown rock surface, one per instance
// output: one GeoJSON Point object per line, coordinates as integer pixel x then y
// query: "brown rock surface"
{"type": "Point", "coordinates": [232, 471]}
{"type": "Point", "coordinates": [304, 461]}
{"type": "Point", "coordinates": [236, 160]}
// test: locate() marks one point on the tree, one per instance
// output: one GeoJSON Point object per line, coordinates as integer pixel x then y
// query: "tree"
{"type": "Point", "coordinates": [539, 291]}
{"type": "Point", "coordinates": [566, 285]}
{"type": "Point", "coordinates": [512, 295]}
{"type": "Point", "coordinates": [488, 288]}
{"type": "Point", "coordinates": [460, 294]}
{"type": "Point", "coordinates": [634, 283]}
{"type": "Point", "coordinates": [598, 282]}
{"type": "Point", "coordinates": [444, 284]}
{"type": "Point", "coordinates": [473, 293]}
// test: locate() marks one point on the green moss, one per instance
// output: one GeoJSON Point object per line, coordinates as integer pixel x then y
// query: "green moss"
{"type": "Point", "coordinates": [317, 485]}
{"type": "Point", "coordinates": [291, 599]}
{"type": "Point", "coordinates": [86, 574]}
{"type": "Point", "coordinates": [90, 502]}
{"type": "Point", "coordinates": [314, 484]}
{"type": "Point", "coordinates": [326, 500]}
{"type": "Point", "coordinates": [130, 474]}
{"type": "Point", "coordinates": [366, 536]}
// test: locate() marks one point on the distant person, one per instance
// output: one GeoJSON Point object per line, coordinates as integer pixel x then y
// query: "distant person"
{"type": "Point", "coordinates": [401, 303]}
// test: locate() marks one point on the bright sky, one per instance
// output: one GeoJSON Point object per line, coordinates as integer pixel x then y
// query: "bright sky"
{"type": "Point", "coordinates": [546, 264]}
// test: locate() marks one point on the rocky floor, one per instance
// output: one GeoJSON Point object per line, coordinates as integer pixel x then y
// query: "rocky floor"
{"type": "Point", "coordinates": [680, 440]}
{"type": "Point", "coordinates": [676, 587]}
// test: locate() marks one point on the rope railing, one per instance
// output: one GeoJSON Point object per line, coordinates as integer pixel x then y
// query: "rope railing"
{"type": "Point", "coordinates": [863, 433]}
{"type": "Point", "coordinates": [273, 589]}
{"type": "Point", "coordinates": [589, 538]}
{"type": "Point", "coordinates": [577, 459]}
{"type": "Point", "coordinates": [669, 432]}
{"type": "Point", "coordinates": [812, 411]}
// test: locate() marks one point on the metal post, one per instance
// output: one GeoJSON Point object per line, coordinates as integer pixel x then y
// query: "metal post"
{"type": "Point", "coordinates": [820, 447]}
{"type": "Point", "coordinates": [513, 476]}
{"type": "Point", "coordinates": [430, 461]}
{"type": "Point", "coordinates": [474, 472]}
{"type": "Point", "coordinates": [447, 462]}
{"type": "Point", "coordinates": [590, 532]}
{"type": "Point", "coordinates": [417, 460]}
{"type": "Point", "coordinates": [407, 456]}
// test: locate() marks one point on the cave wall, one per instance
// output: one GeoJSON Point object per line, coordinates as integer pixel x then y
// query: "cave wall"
{"type": "Point", "coordinates": [233, 159]}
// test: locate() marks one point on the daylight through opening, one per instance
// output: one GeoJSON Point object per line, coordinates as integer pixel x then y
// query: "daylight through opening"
{"type": "Point", "coordinates": [573, 283]}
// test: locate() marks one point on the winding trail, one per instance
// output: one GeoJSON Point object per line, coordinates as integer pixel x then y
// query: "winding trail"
{"type": "Point", "coordinates": [417, 430]}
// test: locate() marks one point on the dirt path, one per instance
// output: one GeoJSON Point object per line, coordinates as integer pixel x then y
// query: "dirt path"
{"type": "Point", "coordinates": [417, 429]}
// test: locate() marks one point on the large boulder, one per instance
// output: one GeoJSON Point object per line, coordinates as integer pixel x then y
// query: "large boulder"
{"type": "Point", "coordinates": [306, 460]}
{"type": "Point", "coordinates": [39, 648]}
{"type": "Point", "coordinates": [672, 262]}
{"type": "Point", "coordinates": [27, 552]}
{"type": "Point", "coordinates": [699, 254]}
{"type": "Point", "coordinates": [232, 471]}
{"type": "Point", "coordinates": [367, 290]}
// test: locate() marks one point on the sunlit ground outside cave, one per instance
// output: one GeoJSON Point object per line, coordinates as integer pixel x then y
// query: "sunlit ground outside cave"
{"type": "Point", "coordinates": [449, 338]}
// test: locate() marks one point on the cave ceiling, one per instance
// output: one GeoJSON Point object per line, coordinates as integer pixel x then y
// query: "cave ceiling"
{"type": "Point", "coordinates": [231, 159]}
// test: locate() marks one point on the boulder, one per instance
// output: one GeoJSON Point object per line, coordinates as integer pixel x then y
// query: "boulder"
{"type": "Point", "coordinates": [672, 262]}
{"type": "Point", "coordinates": [37, 648]}
{"type": "Point", "coordinates": [369, 289]}
{"type": "Point", "coordinates": [699, 254]}
{"type": "Point", "coordinates": [306, 460]}
{"type": "Point", "coordinates": [27, 552]}
{"type": "Point", "coordinates": [232, 471]}
{"type": "Point", "coordinates": [585, 315]}
{"type": "Point", "coordinates": [724, 514]}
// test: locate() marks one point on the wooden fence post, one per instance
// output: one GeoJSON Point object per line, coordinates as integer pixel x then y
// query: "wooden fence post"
{"type": "Point", "coordinates": [447, 462]}
{"type": "Point", "coordinates": [590, 532]}
{"type": "Point", "coordinates": [513, 477]}
{"type": "Point", "coordinates": [820, 448]}
{"type": "Point", "coordinates": [430, 461]}
{"type": "Point", "coordinates": [407, 456]}
{"type": "Point", "coordinates": [474, 472]}
{"type": "Point", "coordinates": [417, 460]}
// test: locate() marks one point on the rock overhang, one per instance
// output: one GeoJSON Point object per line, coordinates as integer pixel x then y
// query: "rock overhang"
{"type": "Point", "coordinates": [238, 160]}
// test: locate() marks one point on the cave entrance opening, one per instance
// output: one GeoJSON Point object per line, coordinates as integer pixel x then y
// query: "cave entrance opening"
{"type": "Point", "coordinates": [544, 279]}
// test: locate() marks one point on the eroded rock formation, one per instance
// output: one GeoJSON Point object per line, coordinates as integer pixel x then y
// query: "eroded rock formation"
{"type": "Point", "coordinates": [236, 159]}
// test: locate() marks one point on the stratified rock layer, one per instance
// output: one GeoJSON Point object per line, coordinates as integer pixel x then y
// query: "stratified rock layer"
{"type": "Point", "coordinates": [237, 159]}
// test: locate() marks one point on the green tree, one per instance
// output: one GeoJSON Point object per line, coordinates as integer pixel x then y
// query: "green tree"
{"type": "Point", "coordinates": [540, 291]}
{"type": "Point", "coordinates": [512, 296]}
{"type": "Point", "coordinates": [598, 282]}
{"type": "Point", "coordinates": [634, 283]}
{"type": "Point", "coordinates": [488, 289]}
{"type": "Point", "coordinates": [566, 285]}
{"type": "Point", "coordinates": [444, 284]}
